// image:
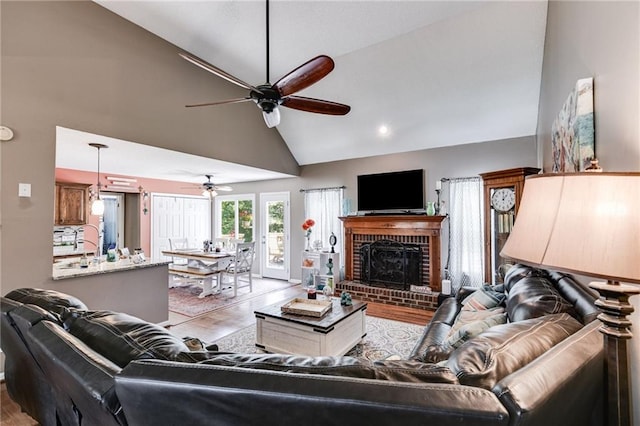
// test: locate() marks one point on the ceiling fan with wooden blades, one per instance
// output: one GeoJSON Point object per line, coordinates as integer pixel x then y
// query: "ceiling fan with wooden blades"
{"type": "Point", "coordinates": [269, 97]}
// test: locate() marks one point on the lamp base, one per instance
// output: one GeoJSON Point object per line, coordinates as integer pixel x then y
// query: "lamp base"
{"type": "Point", "coordinates": [615, 306]}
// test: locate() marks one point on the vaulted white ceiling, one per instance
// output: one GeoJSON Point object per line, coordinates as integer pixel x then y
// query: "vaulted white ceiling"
{"type": "Point", "coordinates": [436, 73]}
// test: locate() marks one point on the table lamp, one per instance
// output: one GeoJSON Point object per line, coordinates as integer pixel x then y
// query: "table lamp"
{"type": "Point", "coordinates": [589, 224]}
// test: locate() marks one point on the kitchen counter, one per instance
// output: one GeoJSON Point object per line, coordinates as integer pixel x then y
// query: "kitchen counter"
{"type": "Point", "coordinates": [62, 270]}
{"type": "Point", "coordinates": [140, 290]}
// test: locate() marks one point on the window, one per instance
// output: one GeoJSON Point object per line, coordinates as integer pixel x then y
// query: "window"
{"type": "Point", "coordinates": [324, 206]}
{"type": "Point", "coordinates": [465, 264]}
{"type": "Point", "coordinates": [234, 217]}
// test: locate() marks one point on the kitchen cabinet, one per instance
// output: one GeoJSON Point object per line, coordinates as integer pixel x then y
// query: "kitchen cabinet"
{"type": "Point", "coordinates": [502, 194]}
{"type": "Point", "coordinates": [71, 206]}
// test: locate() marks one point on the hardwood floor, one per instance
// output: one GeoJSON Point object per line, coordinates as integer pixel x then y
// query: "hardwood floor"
{"type": "Point", "coordinates": [214, 325]}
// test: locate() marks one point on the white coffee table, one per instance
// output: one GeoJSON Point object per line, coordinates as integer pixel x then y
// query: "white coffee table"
{"type": "Point", "coordinates": [337, 332]}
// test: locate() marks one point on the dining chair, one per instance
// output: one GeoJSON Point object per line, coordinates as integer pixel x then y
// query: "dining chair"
{"type": "Point", "coordinates": [240, 267]}
{"type": "Point", "coordinates": [176, 278]}
{"type": "Point", "coordinates": [221, 242]}
{"type": "Point", "coordinates": [233, 242]}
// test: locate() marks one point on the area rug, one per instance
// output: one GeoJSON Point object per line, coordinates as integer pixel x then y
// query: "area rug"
{"type": "Point", "coordinates": [184, 300]}
{"type": "Point", "coordinates": [384, 338]}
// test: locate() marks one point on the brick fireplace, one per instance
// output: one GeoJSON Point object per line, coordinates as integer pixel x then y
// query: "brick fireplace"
{"type": "Point", "coordinates": [415, 230]}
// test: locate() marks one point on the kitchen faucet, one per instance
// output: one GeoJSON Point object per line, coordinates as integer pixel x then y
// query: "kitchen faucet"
{"type": "Point", "coordinates": [75, 236]}
{"type": "Point", "coordinates": [96, 255]}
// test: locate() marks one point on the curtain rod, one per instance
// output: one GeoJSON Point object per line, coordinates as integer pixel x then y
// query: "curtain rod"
{"type": "Point", "coordinates": [323, 189]}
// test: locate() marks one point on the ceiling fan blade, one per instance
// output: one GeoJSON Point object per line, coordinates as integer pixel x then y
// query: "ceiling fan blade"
{"type": "Point", "coordinates": [305, 75]}
{"type": "Point", "coordinates": [223, 188]}
{"type": "Point", "coordinates": [315, 105]}
{"type": "Point", "coordinates": [228, 101]}
{"type": "Point", "coordinates": [217, 71]}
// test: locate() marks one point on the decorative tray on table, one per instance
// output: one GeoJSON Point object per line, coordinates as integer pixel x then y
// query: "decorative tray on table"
{"type": "Point", "coordinates": [308, 307]}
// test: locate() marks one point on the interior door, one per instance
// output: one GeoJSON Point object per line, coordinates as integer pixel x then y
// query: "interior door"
{"type": "Point", "coordinates": [178, 216]}
{"type": "Point", "coordinates": [274, 235]}
{"type": "Point", "coordinates": [113, 221]}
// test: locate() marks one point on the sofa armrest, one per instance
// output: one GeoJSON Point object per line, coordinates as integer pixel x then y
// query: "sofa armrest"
{"type": "Point", "coordinates": [82, 380]}
{"type": "Point", "coordinates": [436, 332]}
{"type": "Point", "coordinates": [564, 384]}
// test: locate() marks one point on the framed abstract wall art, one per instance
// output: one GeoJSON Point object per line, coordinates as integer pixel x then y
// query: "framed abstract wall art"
{"type": "Point", "coordinates": [572, 132]}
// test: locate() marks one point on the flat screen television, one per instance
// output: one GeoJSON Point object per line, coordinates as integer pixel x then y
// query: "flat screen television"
{"type": "Point", "coordinates": [391, 192]}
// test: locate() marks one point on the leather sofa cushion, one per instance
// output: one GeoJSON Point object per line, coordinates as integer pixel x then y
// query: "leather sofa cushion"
{"type": "Point", "coordinates": [534, 297]}
{"type": "Point", "coordinates": [580, 296]}
{"type": "Point", "coordinates": [518, 272]}
{"type": "Point", "coordinates": [122, 338]}
{"type": "Point", "coordinates": [49, 300]}
{"type": "Point", "coordinates": [503, 349]}
{"type": "Point", "coordinates": [396, 370]}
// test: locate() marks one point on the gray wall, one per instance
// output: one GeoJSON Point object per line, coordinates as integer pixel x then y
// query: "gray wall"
{"type": "Point", "coordinates": [599, 40]}
{"type": "Point", "coordinates": [78, 65]}
{"type": "Point", "coordinates": [458, 161]}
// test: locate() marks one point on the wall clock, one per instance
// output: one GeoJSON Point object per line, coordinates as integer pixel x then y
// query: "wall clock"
{"type": "Point", "coordinates": [503, 199]}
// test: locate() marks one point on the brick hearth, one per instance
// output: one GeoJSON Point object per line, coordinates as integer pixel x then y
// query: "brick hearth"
{"type": "Point", "coordinates": [389, 296]}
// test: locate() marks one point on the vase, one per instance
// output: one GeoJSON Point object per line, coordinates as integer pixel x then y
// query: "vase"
{"type": "Point", "coordinates": [308, 237]}
{"type": "Point", "coordinates": [431, 208]}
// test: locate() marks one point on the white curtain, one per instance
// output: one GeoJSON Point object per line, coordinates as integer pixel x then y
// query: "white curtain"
{"type": "Point", "coordinates": [324, 206]}
{"type": "Point", "coordinates": [466, 253]}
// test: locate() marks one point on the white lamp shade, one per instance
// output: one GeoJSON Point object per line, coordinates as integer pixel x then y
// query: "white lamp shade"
{"type": "Point", "coordinates": [97, 207]}
{"type": "Point", "coordinates": [272, 119]}
{"type": "Point", "coordinates": [585, 223]}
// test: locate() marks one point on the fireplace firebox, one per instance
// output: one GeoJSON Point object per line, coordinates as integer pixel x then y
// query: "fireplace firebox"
{"type": "Point", "coordinates": [391, 264]}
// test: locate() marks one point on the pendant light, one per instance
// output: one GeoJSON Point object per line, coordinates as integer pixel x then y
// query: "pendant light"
{"type": "Point", "coordinates": [97, 206]}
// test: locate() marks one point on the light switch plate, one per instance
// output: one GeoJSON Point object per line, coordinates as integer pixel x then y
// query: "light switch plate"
{"type": "Point", "coordinates": [24, 190]}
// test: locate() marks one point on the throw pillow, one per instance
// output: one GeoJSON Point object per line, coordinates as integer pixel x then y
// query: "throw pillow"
{"type": "Point", "coordinates": [534, 297]}
{"type": "Point", "coordinates": [467, 317]}
{"type": "Point", "coordinates": [473, 329]}
{"type": "Point", "coordinates": [481, 299]}
{"type": "Point", "coordinates": [504, 349]}
{"type": "Point", "coordinates": [440, 351]}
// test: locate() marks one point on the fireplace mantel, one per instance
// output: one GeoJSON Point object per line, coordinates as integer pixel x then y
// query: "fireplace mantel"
{"type": "Point", "coordinates": [395, 225]}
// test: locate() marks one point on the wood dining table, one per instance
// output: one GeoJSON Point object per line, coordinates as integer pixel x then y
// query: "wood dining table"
{"type": "Point", "coordinates": [203, 266]}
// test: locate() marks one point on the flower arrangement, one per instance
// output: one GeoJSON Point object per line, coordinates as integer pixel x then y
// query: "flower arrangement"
{"type": "Point", "coordinates": [306, 226]}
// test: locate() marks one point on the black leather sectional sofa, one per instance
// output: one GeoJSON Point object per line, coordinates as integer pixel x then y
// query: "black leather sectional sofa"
{"type": "Point", "coordinates": [540, 362]}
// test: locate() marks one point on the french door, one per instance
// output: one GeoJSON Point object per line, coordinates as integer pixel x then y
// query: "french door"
{"type": "Point", "coordinates": [274, 235]}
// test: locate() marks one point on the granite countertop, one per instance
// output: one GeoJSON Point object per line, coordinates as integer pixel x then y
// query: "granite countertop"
{"type": "Point", "coordinates": [63, 270]}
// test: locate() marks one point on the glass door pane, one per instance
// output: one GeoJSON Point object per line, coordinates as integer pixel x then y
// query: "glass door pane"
{"type": "Point", "coordinates": [274, 223]}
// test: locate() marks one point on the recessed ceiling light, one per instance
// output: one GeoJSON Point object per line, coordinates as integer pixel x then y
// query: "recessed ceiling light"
{"type": "Point", "coordinates": [383, 130]}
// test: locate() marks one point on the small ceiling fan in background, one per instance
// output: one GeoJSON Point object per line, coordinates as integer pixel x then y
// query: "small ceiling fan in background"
{"type": "Point", "coordinates": [269, 97]}
{"type": "Point", "coordinates": [210, 189]}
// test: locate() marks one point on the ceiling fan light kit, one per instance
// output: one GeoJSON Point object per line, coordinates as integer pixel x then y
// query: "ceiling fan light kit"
{"type": "Point", "coordinates": [210, 189]}
{"type": "Point", "coordinates": [268, 97]}
{"type": "Point", "coordinates": [272, 118]}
